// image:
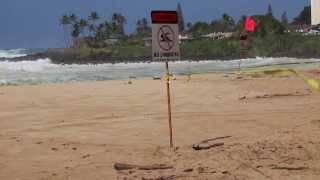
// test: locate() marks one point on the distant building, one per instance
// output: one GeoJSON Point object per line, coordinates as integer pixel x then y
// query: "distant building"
{"type": "Point", "coordinates": [112, 40]}
{"type": "Point", "coordinates": [299, 28]}
{"type": "Point", "coordinates": [133, 39]}
{"type": "Point", "coordinates": [147, 41]}
{"type": "Point", "coordinates": [218, 35]}
{"type": "Point", "coordinates": [304, 29]}
{"type": "Point", "coordinates": [184, 38]}
{"type": "Point", "coordinates": [315, 12]}
{"type": "Point", "coordinates": [314, 31]}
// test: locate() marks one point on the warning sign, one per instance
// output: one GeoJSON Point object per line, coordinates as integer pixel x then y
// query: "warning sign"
{"type": "Point", "coordinates": [165, 35]}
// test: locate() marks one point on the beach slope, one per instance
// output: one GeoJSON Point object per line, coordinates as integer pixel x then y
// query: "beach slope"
{"type": "Point", "coordinates": [80, 130]}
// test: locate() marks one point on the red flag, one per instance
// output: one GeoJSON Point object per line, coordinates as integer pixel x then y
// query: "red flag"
{"type": "Point", "coordinates": [250, 25]}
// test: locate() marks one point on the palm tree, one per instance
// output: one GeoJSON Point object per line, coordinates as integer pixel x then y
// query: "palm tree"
{"type": "Point", "coordinates": [65, 22]}
{"type": "Point", "coordinates": [93, 18]}
{"type": "Point", "coordinates": [73, 18]}
{"type": "Point", "coordinates": [189, 25]}
{"type": "Point", "coordinates": [75, 34]}
{"type": "Point", "coordinates": [269, 12]}
{"type": "Point", "coordinates": [118, 20]}
{"type": "Point", "coordinates": [181, 19]}
{"type": "Point", "coordinates": [284, 20]}
{"type": "Point", "coordinates": [143, 27]}
{"type": "Point", "coordinates": [228, 22]}
{"type": "Point", "coordinates": [82, 25]}
{"type": "Point", "coordinates": [103, 31]}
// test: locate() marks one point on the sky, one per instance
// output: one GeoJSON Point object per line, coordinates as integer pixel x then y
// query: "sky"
{"type": "Point", "coordinates": [35, 23]}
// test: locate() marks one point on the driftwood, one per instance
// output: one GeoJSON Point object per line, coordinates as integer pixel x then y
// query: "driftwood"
{"type": "Point", "coordinates": [289, 168]}
{"type": "Point", "coordinates": [199, 147]}
{"type": "Point", "coordinates": [214, 139]}
{"type": "Point", "coordinates": [280, 95]}
{"type": "Point", "coordinates": [169, 177]}
{"type": "Point", "coordinates": [207, 144]}
{"type": "Point", "coordinates": [266, 96]}
{"type": "Point", "coordinates": [121, 167]}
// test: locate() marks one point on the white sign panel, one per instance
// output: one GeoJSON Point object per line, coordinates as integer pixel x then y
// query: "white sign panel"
{"type": "Point", "coordinates": [165, 36]}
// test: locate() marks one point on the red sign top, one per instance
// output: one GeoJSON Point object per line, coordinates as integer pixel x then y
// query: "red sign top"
{"type": "Point", "coordinates": [249, 25]}
{"type": "Point", "coordinates": [164, 17]}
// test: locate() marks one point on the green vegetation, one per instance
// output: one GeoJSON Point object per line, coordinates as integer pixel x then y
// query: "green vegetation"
{"type": "Point", "coordinates": [304, 16]}
{"type": "Point", "coordinates": [181, 19]}
{"type": "Point", "coordinates": [225, 24]}
{"type": "Point", "coordinates": [207, 49]}
{"type": "Point", "coordinates": [90, 32]}
{"type": "Point", "coordinates": [97, 40]}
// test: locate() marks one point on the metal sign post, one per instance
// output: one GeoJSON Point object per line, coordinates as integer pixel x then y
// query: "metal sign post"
{"type": "Point", "coordinates": [165, 47]}
{"type": "Point", "coordinates": [243, 48]}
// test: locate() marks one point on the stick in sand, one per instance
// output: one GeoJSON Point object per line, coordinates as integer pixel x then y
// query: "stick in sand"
{"type": "Point", "coordinates": [121, 167]}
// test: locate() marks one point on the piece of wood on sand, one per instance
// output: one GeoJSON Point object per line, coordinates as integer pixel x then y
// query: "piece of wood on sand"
{"type": "Point", "coordinates": [170, 177]}
{"type": "Point", "coordinates": [209, 143]}
{"type": "Point", "coordinates": [289, 168]}
{"type": "Point", "coordinates": [122, 166]}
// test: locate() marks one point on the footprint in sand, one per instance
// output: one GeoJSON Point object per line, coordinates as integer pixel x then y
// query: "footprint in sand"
{"type": "Point", "coordinates": [54, 149]}
{"type": "Point", "coordinates": [315, 122]}
{"type": "Point", "coordinates": [86, 156]}
{"type": "Point", "coordinates": [16, 139]}
{"type": "Point", "coordinates": [39, 142]}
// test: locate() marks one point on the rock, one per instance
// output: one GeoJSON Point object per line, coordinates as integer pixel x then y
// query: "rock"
{"type": "Point", "coordinates": [188, 170]}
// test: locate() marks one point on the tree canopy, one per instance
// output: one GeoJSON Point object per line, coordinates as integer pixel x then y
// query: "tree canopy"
{"type": "Point", "coordinates": [143, 28]}
{"type": "Point", "coordinates": [97, 30]}
{"type": "Point", "coordinates": [304, 17]}
{"type": "Point", "coordinates": [180, 18]}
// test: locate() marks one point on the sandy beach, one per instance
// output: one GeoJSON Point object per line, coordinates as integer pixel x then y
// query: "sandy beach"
{"type": "Point", "coordinates": [80, 130]}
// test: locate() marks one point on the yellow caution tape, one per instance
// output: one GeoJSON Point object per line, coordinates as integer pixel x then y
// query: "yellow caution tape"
{"type": "Point", "coordinates": [167, 76]}
{"type": "Point", "coordinates": [311, 82]}
{"type": "Point", "coordinates": [189, 77]}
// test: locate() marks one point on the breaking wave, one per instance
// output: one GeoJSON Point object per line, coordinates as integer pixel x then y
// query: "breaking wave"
{"type": "Point", "coordinates": [27, 66]}
{"type": "Point", "coordinates": [13, 53]}
{"type": "Point", "coordinates": [44, 71]}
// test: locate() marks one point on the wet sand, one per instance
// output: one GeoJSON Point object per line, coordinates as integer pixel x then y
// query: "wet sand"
{"type": "Point", "coordinates": [79, 130]}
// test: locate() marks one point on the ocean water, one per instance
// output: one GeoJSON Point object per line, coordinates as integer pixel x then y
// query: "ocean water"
{"type": "Point", "coordinates": [14, 53]}
{"type": "Point", "coordinates": [43, 71]}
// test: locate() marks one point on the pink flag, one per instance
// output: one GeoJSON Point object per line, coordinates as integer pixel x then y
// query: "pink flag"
{"type": "Point", "coordinates": [249, 25]}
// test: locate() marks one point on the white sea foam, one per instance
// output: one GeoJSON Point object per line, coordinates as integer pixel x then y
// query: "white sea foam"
{"type": "Point", "coordinates": [44, 71]}
{"type": "Point", "coordinates": [27, 66]}
{"type": "Point", "coordinates": [12, 53]}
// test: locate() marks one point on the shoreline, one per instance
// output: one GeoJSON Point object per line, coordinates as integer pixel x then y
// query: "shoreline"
{"type": "Point", "coordinates": [61, 56]}
{"type": "Point", "coordinates": [45, 72]}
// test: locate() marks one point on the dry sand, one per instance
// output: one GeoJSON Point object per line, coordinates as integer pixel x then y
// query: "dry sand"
{"type": "Point", "coordinates": [79, 130]}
